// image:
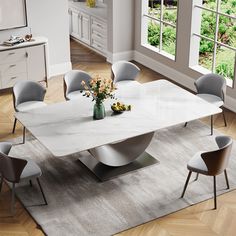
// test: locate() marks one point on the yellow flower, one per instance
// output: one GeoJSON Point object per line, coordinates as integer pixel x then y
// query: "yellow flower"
{"type": "Point", "coordinates": [87, 93]}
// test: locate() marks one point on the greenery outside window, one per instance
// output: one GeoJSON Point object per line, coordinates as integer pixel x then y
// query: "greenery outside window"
{"type": "Point", "coordinates": [159, 26]}
{"type": "Point", "coordinates": [214, 37]}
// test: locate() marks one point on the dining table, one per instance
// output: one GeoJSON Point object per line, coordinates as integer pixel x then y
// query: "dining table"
{"type": "Point", "coordinates": [118, 142]}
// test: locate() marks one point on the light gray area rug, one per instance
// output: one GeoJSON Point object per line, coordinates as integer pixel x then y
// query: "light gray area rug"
{"type": "Point", "coordinates": [80, 205]}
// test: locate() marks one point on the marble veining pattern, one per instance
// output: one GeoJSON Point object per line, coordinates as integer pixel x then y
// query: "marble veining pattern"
{"type": "Point", "coordinates": [68, 127]}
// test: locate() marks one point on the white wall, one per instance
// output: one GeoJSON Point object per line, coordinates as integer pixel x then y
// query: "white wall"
{"type": "Point", "coordinates": [120, 29]}
{"type": "Point", "coordinates": [48, 18]}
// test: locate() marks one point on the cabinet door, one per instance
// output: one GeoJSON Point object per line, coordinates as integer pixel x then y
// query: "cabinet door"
{"type": "Point", "coordinates": [36, 63]}
{"type": "Point", "coordinates": [85, 28]}
{"type": "Point", "coordinates": [70, 20]}
{"type": "Point", "coordinates": [75, 29]}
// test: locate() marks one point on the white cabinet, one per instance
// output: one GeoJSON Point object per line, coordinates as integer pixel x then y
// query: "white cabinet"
{"type": "Point", "coordinates": [36, 64]}
{"type": "Point", "coordinates": [85, 27]}
{"type": "Point", "coordinates": [27, 61]}
{"type": "Point", "coordinates": [75, 22]}
{"type": "Point", "coordinates": [98, 34]}
{"type": "Point", "coordinates": [88, 29]}
{"type": "Point", "coordinates": [79, 25]}
{"type": "Point", "coordinates": [70, 20]}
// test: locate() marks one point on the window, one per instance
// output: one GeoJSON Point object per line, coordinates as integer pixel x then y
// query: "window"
{"type": "Point", "coordinates": [159, 26]}
{"type": "Point", "coordinates": [213, 46]}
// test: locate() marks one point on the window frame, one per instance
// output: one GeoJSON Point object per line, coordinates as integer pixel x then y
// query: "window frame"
{"type": "Point", "coordinates": [196, 32]}
{"type": "Point", "coordinates": [144, 29]}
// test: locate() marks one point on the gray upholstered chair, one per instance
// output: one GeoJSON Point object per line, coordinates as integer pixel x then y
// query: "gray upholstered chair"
{"type": "Point", "coordinates": [72, 83]}
{"type": "Point", "coordinates": [124, 72]}
{"type": "Point", "coordinates": [212, 88]}
{"type": "Point", "coordinates": [27, 95]}
{"type": "Point", "coordinates": [16, 170]}
{"type": "Point", "coordinates": [211, 163]}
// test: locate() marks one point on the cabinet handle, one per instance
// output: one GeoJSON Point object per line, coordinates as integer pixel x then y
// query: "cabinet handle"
{"type": "Point", "coordinates": [11, 53]}
{"type": "Point", "coordinates": [26, 54]}
{"type": "Point", "coordinates": [12, 65]}
{"type": "Point", "coordinates": [14, 77]}
{"type": "Point", "coordinates": [99, 25]}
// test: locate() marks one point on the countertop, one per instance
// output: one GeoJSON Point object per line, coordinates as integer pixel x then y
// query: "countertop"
{"type": "Point", "coordinates": [35, 41]}
{"type": "Point", "coordinates": [99, 11]}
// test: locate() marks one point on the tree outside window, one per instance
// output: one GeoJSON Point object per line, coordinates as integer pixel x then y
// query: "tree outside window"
{"type": "Point", "coordinates": [159, 26]}
{"type": "Point", "coordinates": [214, 37]}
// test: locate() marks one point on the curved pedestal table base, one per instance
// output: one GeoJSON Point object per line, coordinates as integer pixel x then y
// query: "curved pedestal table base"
{"type": "Point", "coordinates": [119, 158]}
{"type": "Point", "coordinates": [122, 153]}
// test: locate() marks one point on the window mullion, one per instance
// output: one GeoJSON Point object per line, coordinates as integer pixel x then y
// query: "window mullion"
{"type": "Point", "coordinates": [214, 11]}
{"type": "Point", "coordinates": [212, 40]}
{"type": "Point", "coordinates": [161, 24]}
{"type": "Point", "coordinates": [216, 35]}
{"type": "Point", "coordinates": [165, 22]}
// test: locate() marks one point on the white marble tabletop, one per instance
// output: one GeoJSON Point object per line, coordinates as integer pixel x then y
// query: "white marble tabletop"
{"type": "Point", "coordinates": [68, 127]}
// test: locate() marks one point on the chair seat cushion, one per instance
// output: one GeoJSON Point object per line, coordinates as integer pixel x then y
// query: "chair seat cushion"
{"type": "Point", "coordinates": [196, 164]}
{"type": "Point", "coordinates": [26, 106]}
{"type": "Point", "coordinates": [31, 170]}
{"type": "Point", "coordinates": [217, 101]}
{"type": "Point", "coordinates": [74, 95]}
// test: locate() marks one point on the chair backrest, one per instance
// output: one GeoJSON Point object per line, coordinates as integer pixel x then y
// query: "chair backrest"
{"type": "Point", "coordinates": [73, 79]}
{"type": "Point", "coordinates": [217, 161]}
{"type": "Point", "coordinates": [5, 147]}
{"type": "Point", "coordinates": [124, 70]}
{"type": "Point", "coordinates": [211, 84]}
{"type": "Point", "coordinates": [10, 167]}
{"type": "Point", "coordinates": [25, 91]}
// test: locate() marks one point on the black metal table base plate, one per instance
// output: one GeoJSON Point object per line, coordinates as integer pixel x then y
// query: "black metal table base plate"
{"type": "Point", "coordinates": [104, 172]}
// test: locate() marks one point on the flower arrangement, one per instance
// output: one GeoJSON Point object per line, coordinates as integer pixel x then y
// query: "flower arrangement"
{"type": "Point", "coordinates": [91, 3]}
{"type": "Point", "coordinates": [99, 89]}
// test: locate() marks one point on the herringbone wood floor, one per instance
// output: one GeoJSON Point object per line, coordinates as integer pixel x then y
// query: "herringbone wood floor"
{"type": "Point", "coordinates": [196, 220]}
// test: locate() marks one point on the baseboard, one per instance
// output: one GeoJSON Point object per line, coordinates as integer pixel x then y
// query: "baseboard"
{"type": "Point", "coordinates": [178, 77]}
{"type": "Point", "coordinates": [167, 71]}
{"type": "Point", "coordinates": [114, 57]}
{"type": "Point", "coordinates": [58, 69]}
{"type": "Point", "coordinates": [230, 103]}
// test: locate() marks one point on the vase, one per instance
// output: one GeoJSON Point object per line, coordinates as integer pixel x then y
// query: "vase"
{"type": "Point", "coordinates": [91, 3]}
{"type": "Point", "coordinates": [99, 111]}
